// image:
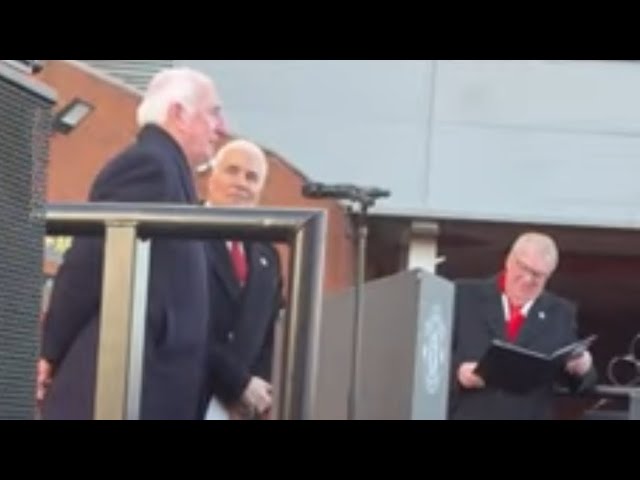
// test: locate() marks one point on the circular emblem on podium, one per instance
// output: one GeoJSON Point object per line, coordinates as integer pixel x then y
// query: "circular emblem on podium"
{"type": "Point", "coordinates": [433, 353]}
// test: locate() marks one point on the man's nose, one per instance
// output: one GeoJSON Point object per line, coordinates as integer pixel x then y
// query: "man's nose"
{"type": "Point", "coordinates": [241, 182]}
{"type": "Point", "coordinates": [220, 126]}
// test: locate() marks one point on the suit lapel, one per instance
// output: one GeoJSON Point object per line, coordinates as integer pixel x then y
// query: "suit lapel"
{"type": "Point", "coordinates": [221, 262]}
{"type": "Point", "coordinates": [494, 311]}
{"type": "Point", "coordinates": [534, 323]}
{"type": "Point", "coordinates": [257, 305]}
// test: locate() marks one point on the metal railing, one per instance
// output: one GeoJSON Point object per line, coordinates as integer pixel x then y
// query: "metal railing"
{"type": "Point", "coordinates": [124, 292]}
{"type": "Point", "coordinates": [604, 394]}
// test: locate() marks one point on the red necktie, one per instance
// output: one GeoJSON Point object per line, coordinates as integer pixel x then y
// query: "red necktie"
{"type": "Point", "coordinates": [239, 262]}
{"type": "Point", "coordinates": [516, 318]}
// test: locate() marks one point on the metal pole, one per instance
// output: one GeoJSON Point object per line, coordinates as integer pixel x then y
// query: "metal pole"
{"type": "Point", "coordinates": [121, 344]}
{"type": "Point", "coordinates": [302, 327]}
{"type": "Point", "coordinates": [634, 404]}
{"type": "Point", "coordinates": [138, 328]}
{"type": "Point", "coordinates": [285, 409]}
{"type": "Point", "coordinates": [311, 295]}
{"type": "Point", "coordinates": [356, 349]}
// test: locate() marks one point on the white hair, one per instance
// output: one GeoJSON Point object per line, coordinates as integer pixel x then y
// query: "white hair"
{"type": "Point", "coordinates": [173, 85]}
{"type": "Point", "coordinates": [543, 245]}
{"type": "Point", "coordinates": [246, 146]}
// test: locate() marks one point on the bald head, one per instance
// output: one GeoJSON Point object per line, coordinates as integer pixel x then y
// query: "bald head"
{"type": "Point", "coordinates": [238, 174]}
{"type": "Point", "coordinates": [531, 261]}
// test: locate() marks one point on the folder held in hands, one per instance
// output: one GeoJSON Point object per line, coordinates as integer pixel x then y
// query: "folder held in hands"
{"type": "Point", "coordinates": [517, 369]}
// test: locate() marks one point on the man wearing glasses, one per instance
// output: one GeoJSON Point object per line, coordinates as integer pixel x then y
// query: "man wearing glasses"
{"type": "Point", "coordinates": [513, 307]}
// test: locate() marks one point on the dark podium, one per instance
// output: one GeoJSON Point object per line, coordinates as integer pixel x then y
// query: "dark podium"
{"type": "Point", "coordinates": [405, 350]}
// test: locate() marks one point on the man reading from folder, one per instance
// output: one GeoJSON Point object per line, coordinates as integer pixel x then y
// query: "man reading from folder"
{"type": "Point", "coordinates": [514, 307]}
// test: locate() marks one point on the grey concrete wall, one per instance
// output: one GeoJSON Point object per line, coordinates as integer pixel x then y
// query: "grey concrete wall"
{"type": "Point", "coordinates": [523, 139]}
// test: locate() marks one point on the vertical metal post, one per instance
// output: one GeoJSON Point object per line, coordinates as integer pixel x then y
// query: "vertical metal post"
{"type": "Point", "coordinates": [121, 344]}
{"type": "Point", "coordinates": [277, 363]}
{"type": "Point", "coordinates": [311, 293]}
{"type": "Point", "coordinates": [138, 328]}
{"type": "Point", "coordinates": [302, 327]}
{"type": "Point", "coordinates": [634, 404]}
{"type": "Point", "coordinates": [358, 314]}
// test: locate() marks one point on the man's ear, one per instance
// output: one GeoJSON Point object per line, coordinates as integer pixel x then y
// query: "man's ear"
{"type": "Point", "coordinates": [176, 113]}
{"type": "Point", "coordinates": [173, 111]}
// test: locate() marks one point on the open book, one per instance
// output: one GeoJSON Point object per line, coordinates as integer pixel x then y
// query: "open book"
{"type": "Point", "coordinates": [517, 369]}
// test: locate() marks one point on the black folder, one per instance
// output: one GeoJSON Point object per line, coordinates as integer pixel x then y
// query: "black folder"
{"type": "Point", "coordinates": [516, 369]}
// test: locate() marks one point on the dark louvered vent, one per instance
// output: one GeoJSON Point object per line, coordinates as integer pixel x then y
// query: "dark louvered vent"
{"type": "Point", "coordinates": [25, 119]}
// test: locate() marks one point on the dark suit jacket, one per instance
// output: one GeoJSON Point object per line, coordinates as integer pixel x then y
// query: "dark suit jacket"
{"type": "Point", "coordinates": [243, 318]}
{"type": "Point", "coordinates": [153, 169]}
{"type": "Point", "coordinates": [479, 318]}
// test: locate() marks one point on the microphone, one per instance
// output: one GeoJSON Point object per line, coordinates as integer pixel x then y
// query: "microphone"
{"type": "Point", "coordinates": [342, 191]}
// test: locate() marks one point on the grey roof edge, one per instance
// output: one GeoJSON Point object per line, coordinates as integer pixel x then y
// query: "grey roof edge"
{"type": "Point", "coordinates": [428, 214]}
{"type": "Point", "coordinates": [105, 77]}
{"type": "Point", "coordinates": [25, 81]}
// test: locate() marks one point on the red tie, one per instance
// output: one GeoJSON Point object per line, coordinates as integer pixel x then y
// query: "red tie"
{"type": "Point", "coordinates": [516, 318]}
{"type": "Point", "coordinates": [239, 262]}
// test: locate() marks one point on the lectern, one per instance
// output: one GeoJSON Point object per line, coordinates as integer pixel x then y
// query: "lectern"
{"type": "Point", "coordinates": [406, 343]}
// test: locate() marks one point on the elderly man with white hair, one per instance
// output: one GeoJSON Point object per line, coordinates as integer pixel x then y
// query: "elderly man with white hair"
{"type": "Point", "coordinates": [180, 122]}
{"type": "Point", "coordinates": [245, 293]}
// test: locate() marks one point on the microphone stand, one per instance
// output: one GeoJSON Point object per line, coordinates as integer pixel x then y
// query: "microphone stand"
{"type": "Point", "coordinates": [364, 201]}
{"type": "Point", "coordinates": [363, 198]}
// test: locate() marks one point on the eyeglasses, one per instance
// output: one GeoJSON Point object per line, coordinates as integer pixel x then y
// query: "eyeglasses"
{"type": "Point", "coordinates": [624, 370]}
{"type": "Point", "coordinates": [532, 272]}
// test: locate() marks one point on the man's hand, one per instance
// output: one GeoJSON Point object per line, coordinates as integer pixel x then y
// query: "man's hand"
{"type": "Point", "coordinates": [579, 365]}
{"type": "Point", "coordinates": [257, 395]}
{"type": "Point", "coordinates": [467, 378]}
{"type": "Point", "coordinates": [45, 371]}
{"type": "Point", "coordinates": [238, 411]}
{"type": "Point", "coordinates": [266, 415]}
